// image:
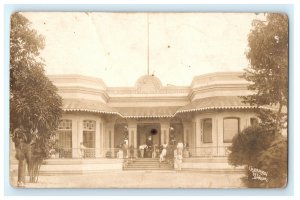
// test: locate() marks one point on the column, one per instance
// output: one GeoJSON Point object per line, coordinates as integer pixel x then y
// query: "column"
{"type": "Point", "coordinates": [221, 149]}
{"type": "Point", "coordinates": [109, 137]}
{"type": "Point", "coordinates": [244, 122]}
{"type": "Point", "coordinates": [79, 133]}
{"type": "Point", "coordinates": [187, 126]}
{"type": "Point", "coordinates": [198, 136]}
{"type": "Point", "coordinates": [132, 134]}
{"type": "Point", "coordinates": [187, 130]}
{"type": "Point", "coordinates": [165, 130]}
{"type": "Point", "coordinates": [75, 142]}
{"type": "Point", "coordinates": [215, 136]}
{"type": "Point", "coordinates": [98, 140]}
{"type": "Point", "coordinates": [102, 139]}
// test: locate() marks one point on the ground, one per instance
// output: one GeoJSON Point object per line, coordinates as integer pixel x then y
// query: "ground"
{"type": "Point", "coordinates": [139, 179]}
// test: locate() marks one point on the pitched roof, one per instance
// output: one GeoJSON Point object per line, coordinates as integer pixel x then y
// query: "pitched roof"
{"type": "Point", "coordinates": [209, 103]}
{"type": "Point", "coordinates": [87, 106]}
{"type": "Point", "coordinates": [219, 102]}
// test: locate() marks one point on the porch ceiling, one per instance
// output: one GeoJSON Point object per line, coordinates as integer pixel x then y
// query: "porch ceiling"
{"type": "Point", "coordinates": [147, 112]}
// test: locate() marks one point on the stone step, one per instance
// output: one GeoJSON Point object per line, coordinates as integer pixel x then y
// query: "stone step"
{"type": "Point", "coordinates": [144, 167]}
{"type": "Point", "coordinates": [147, 164]}
{"type": "Point", "coordinates": [141, 168]}
{"type": "Point", "coordinates": [144, 163]}
{"type": "Point", "coordinates": [153, 169]}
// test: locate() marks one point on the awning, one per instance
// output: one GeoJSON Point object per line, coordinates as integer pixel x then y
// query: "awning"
{"type": "Point", "coordinates": [211, 103]}
{"type": "Point", "coordinates": [148, 112]}
{"type": "Point", "coordinates": [87, 106]}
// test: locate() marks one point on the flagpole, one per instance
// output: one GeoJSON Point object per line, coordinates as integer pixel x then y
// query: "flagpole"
{"type": "Point", "coordinates": [148, 66]}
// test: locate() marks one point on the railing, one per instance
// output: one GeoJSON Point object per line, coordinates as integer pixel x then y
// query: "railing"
{"type": "Point", "coordinates": [83, 152]}
{"type": "Point", "coordinates": [61, 153]}
{"type": "Point", "coordinates": [213, 151]}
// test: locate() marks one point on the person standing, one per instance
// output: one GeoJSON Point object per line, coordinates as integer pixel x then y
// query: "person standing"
{"type": "Point", "coordinates": [142, 149]}
{"type": "Point", "coordinates": [163, 153]}
{"type": "Point", "coordinates": [82, 150]}
{"type": "Point", "coordinates": [149, 149]}
{"type": "Point", "coordinates": [179, 160]}
{"type": "Point", "coordinates": [131, 152]}
{"type": "Point", "coordinates": [180, 147]}
{"type": "Point", "coordinates": [125, 148]}
{"type": "Point", "coordinates": [22, 140]}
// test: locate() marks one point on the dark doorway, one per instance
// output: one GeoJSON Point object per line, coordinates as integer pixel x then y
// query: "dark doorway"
{"type": "Point", "coordinates": [146, 131]}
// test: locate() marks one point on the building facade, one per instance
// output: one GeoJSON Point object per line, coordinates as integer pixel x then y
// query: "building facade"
{"type": "Point", "coordinates": [204, 115]}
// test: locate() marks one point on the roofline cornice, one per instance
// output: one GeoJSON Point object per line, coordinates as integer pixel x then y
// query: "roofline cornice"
{"type": "Point", "coordinates": [77, 76]}
{"type": "Point", "coordinates": [215, 87]}
{"type": "Point", "coordinates": [215, 74]}
{"type": "Point", "coordinates": [82, 89]}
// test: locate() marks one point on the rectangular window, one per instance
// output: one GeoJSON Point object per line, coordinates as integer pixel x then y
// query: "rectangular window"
{"type": "Point", "coordinates": [207, 130]}
{"type": "Point", "coordinates": [253, 121]}
{"type": "Point", "coordinates": [230, 129]}
{"type": "Point", "coordinates": [89, 133]}
{"type": "Point", "coordinates": [64, 138]}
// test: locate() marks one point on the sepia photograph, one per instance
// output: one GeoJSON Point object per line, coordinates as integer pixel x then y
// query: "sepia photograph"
{"type": "Point", "coordinates": [148, 100]}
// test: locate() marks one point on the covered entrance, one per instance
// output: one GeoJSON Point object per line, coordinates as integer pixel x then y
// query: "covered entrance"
{"type": "Point", "coordinates": [148, 136]}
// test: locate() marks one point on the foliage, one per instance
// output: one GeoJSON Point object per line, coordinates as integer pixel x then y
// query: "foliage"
{"type": "Point", "coordinates": [34, 102]}
{"type": "Point", "coordinates": [247, 145]}
{"type": "Point", "coordinates": [268, 70]}
{"type": "Point", "coordinates": [262, 147]}
{"type": "Point", "coordinates": [255, 147]}
{"type": "Point", "coordinates": [274, 161]}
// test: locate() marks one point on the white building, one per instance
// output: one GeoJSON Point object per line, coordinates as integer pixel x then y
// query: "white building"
{"type": "Point", "coordinates": [205, 115]}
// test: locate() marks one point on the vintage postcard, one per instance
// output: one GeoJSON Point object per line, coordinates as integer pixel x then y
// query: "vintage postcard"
{"type": "Point", "coordinates": [148, 100]}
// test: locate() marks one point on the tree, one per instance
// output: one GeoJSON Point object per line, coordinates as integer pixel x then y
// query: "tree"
{"type": "Point", "coordinates": [268, 70]}
{"type": "Point", "coordinates": [35, 106]}
{"type": "Point", "coordinates": [263, 148]}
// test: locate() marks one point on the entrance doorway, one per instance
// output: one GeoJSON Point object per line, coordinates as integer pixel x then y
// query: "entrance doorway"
{"type": "Point", "coordinates": [148, 134]}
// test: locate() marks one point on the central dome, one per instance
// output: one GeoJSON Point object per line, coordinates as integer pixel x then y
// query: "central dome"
{"type": "Point", "coordinates": [148, 83]}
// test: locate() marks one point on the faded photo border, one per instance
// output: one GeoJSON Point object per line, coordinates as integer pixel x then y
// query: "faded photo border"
{"type": "Point", "coordinates": [283, 8]}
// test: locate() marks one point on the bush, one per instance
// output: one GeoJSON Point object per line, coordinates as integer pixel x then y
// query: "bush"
{"type": "Point", "coordinates": [274, 161]}
{"type": "Point", "coordinates": [264, 156]}
{"type": "Point", "coordinates": [247, 145]}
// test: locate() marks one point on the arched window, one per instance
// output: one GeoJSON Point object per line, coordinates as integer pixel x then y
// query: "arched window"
{"type": "Point", "coordinates": [64, 138]}
{"type": "Point", "coordinates": [89, 134]}
{"type": "Point", "coordinates": [206, 125]}
{"type": "Point", "coordinates": [231, 127]}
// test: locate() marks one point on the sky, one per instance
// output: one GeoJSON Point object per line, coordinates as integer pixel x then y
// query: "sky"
{"type": "Point", "coordinates": [114, 46]}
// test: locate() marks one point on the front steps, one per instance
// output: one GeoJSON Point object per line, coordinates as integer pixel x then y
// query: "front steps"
{"type": "Point", "coordinates": [146, 164]}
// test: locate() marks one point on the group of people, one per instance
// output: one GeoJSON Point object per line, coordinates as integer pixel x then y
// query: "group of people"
{"type": "Point", "coordinates": [167, 152]}
{"type": "Point", "coordinates": [148, 150]}
{"type": "Point", "coordinates": [125, 150]}
{"type": "Point", "coordinates": [172, 152]}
